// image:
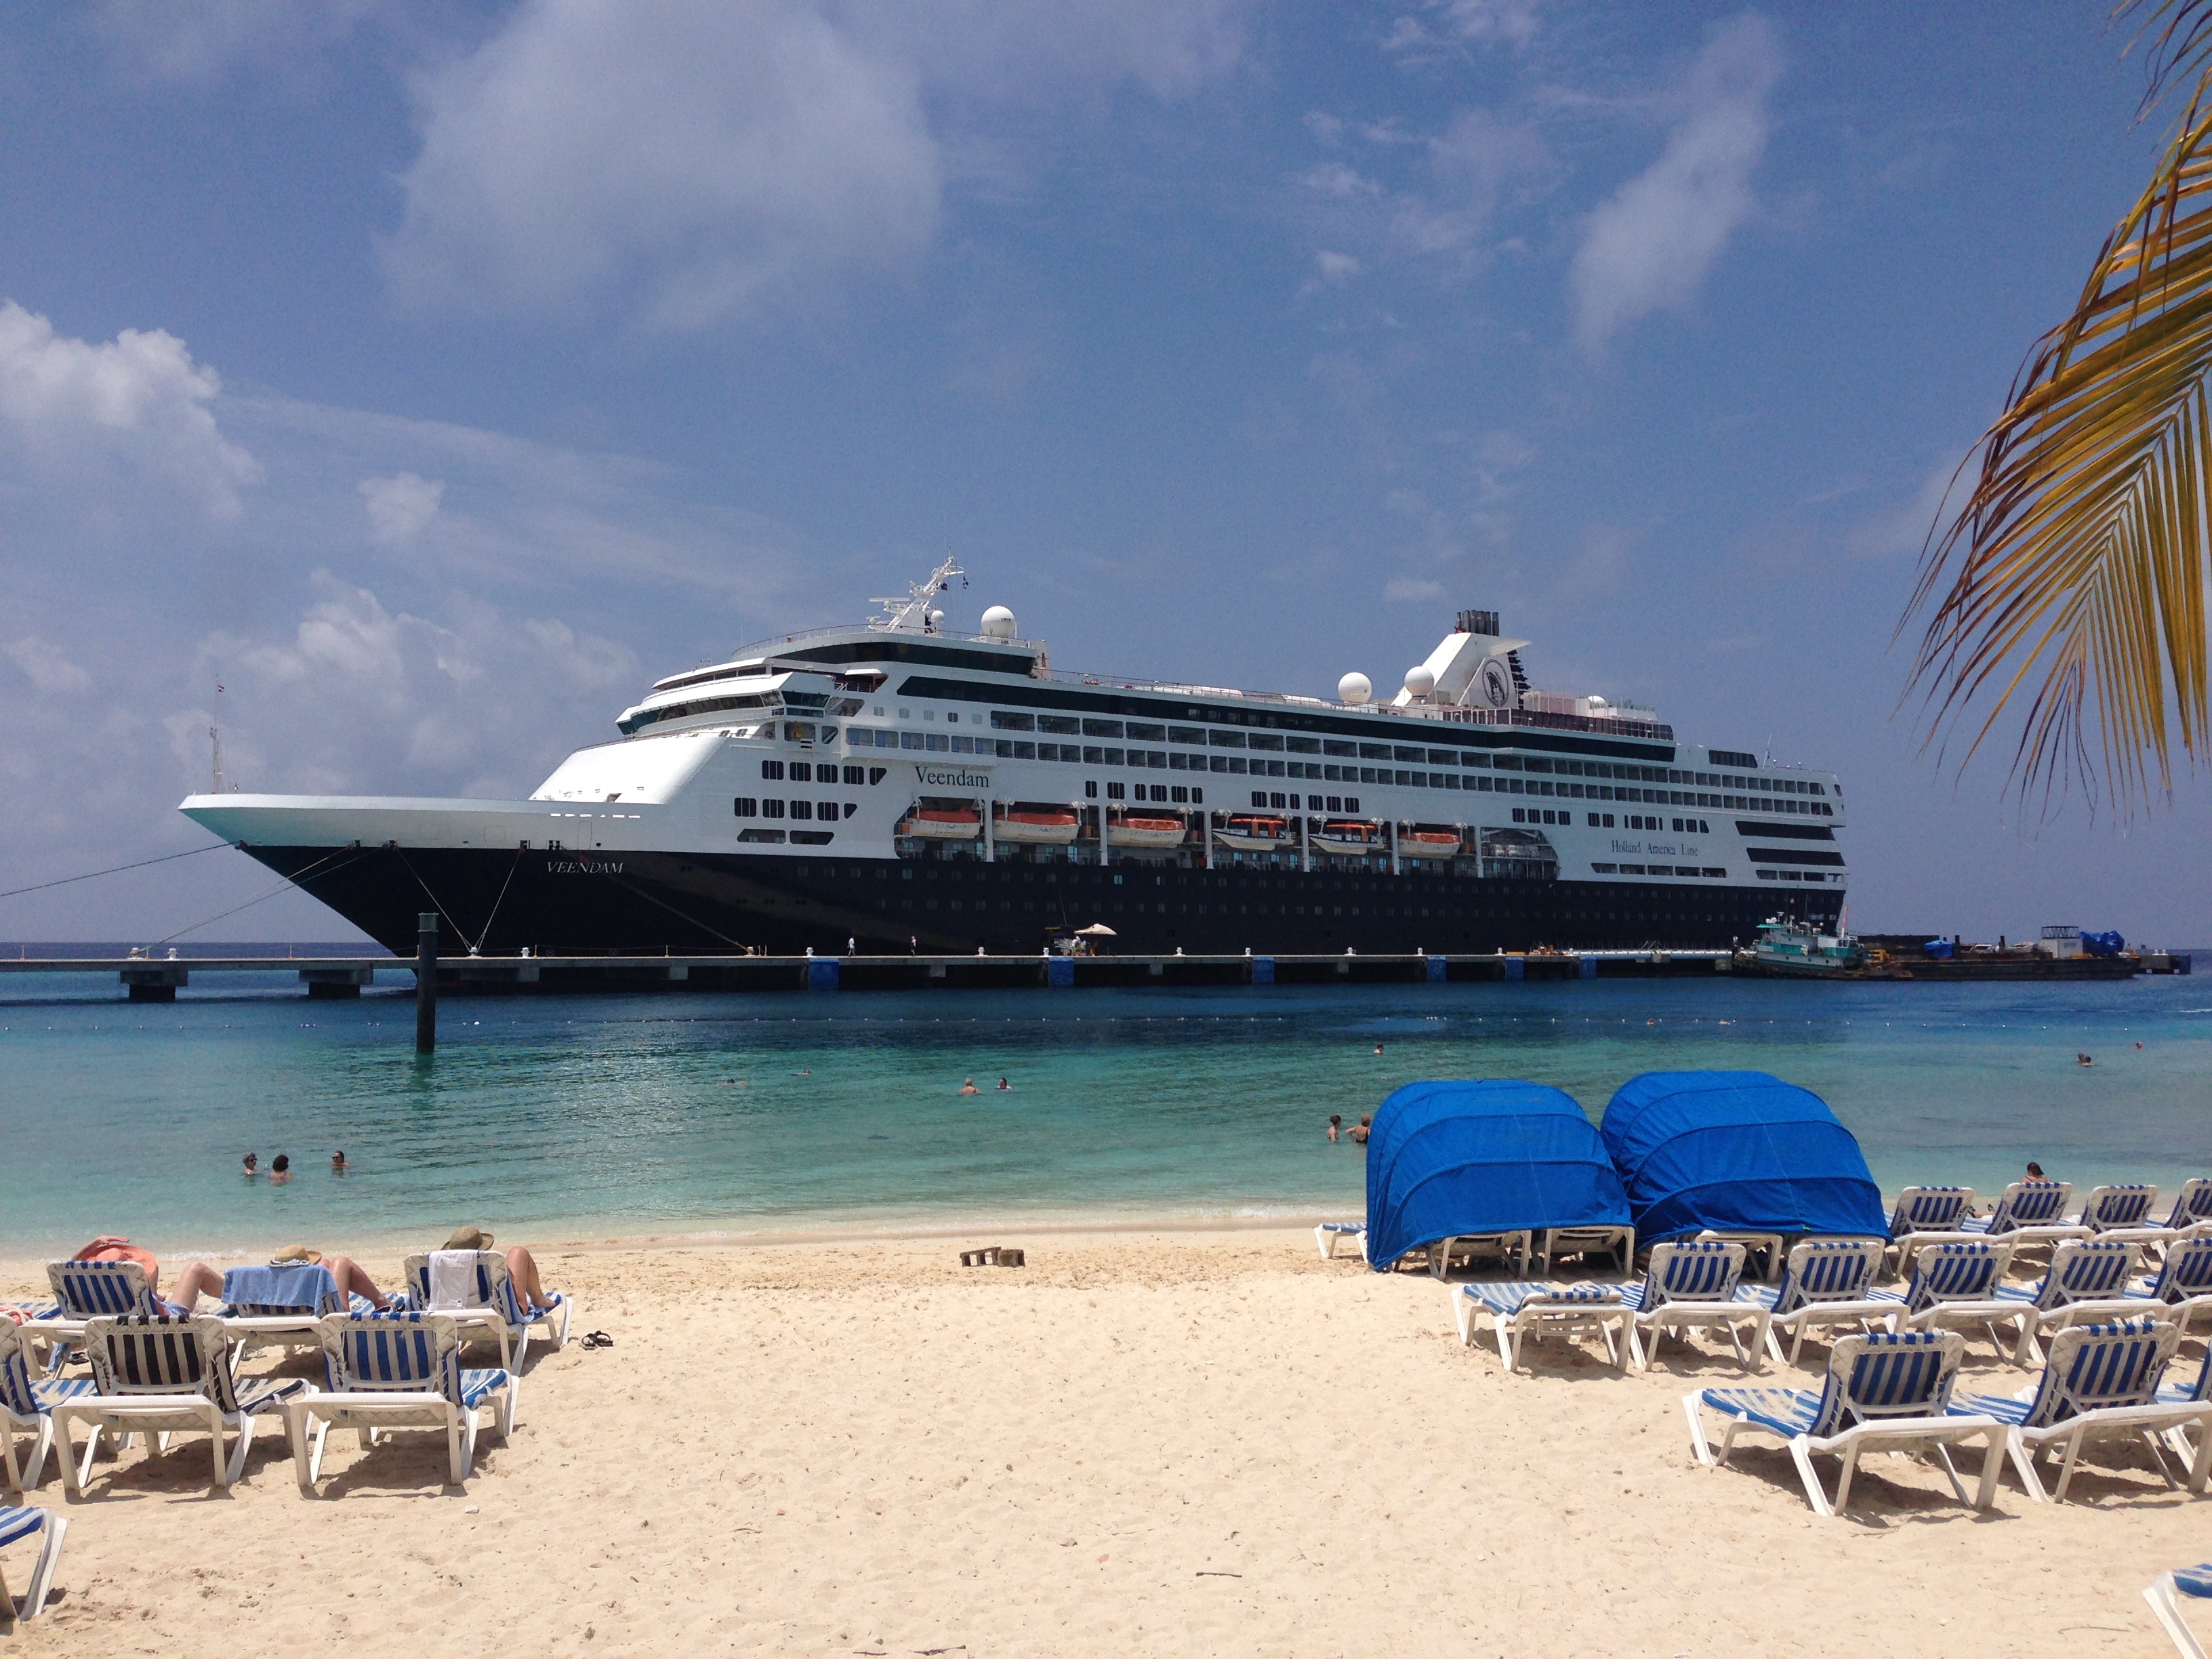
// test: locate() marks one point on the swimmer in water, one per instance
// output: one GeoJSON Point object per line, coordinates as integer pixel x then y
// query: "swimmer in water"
{"type": "Point", "coordinates": [338, 1165]}
{"type": "Point", "coordinates": [253, 1165]}
{"type": "Point", "coordinates": [1378, 1048]}
{"type": "Point", "coordinates": [1336, 1124]}
{"type": "Point", "coordinates": [280, 1168]}
{"type": "Point", "coordinates": [969, 1088]}
{"type": "Point", "coordinates": [1005, 1087]}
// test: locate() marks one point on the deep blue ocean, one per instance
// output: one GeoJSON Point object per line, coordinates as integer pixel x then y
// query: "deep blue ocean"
{"type": "Point", "coordinates": [608, 1116]}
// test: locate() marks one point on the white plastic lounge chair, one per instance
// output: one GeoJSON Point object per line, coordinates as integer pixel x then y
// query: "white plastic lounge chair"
{"type": "Point", "coordinates": [308, 1295]}
{"type": "Point", "coordinates": [1521, 1310]}
{"type": "Point", "coordinates": [2164, 1593]}
{"type": "Point", "coordinates": [1555, 1241]}
{"type": "Point", "coordinates": [1884, 1391]}
{"type": "Point", "coordinates": [1691, 1283]}
{"type": "Point", "coordinates": [1327, 1235]}
{"type": "Point", "coordinates": [2118, 1208]}
{"type": "Point", "coordinates": [1826, 1282]}
{"type": "Point", "coordinates": [397, 1371]}
{"type": "Point", "coordinates": [90, 1289]}
{"type": "Point", "coordinates": [2192, 1205]}
{"type": "Point", "coordinates": [2182, 1285]}
{"type": "Point", "coordinates": [2100, 1381]}
{"type": "Point", "coordinates": [1514, 1247]}
{"type": "Point", "coordinates": [158, 1376]}
{"type": "Point", "coordinates": [17, 1524]}
{"type": "Point", "coordinates": [1926, 1211]}
{"type": "Point", "coordinates": [1953, 1283]}
{"type": "Point", "coordinates": [2082, 1270]}
{"type": "Point", "coordinates": [494, 1306]}
{"type": "Point", "coordinates": [2030, 1213]}
{"type": "Point", "coordinates": [1930, 1210]}
{"type": "Point", "coordinates": [26, 1403]}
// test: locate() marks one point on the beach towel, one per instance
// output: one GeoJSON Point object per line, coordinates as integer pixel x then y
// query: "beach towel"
{"type": "Point", "coordinates": [304, 1284]}
{"type": "Point", "coordinates": [453, 1279]}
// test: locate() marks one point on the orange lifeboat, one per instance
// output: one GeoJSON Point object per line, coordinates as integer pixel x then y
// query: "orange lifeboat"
{"type": "Point", "coordinates": [1051, 825]}
{"type": "Point", "coordinates": [1348, 836]}
{"type": "Point", "coordinates": [1428, 844]}
{"type": "Point", "coordinates": [943, 823]}
{"type": "Point", "coordinates": [1145, 831]}
{"type": "Point", "coordinates": [1254, 832]}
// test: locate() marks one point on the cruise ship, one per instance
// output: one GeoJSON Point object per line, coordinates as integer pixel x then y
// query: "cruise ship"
{"type": "Point", "coordinates": [897, 785]}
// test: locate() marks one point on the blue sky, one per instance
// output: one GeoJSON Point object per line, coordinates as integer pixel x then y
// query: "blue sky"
{"type": "Point", "coordinates": [433, 378]}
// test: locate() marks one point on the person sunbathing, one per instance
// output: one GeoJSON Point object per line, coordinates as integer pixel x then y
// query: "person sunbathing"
{"type": "Point", "coordinates": [351, 1278]}
{"type": "Point", "coordinates": [521, 1267]}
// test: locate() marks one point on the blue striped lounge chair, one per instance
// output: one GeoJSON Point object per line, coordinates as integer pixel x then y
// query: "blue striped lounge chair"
{"type": "Point", "coordinates": [161, 1375]}
{"type": "Point", "coordinates": [1952, 1283]}
{"type": "Point", "coordinates": [2164, 1592]}
{"type": "Point", "coordinates": [1930, 1210]}
{"type": "Point", "coordinates": [493, 1307]}
{"type": "Point", "coordinates": [92, 1289]}
{"type": "Point", "coordinates": [17, 1524]}
{"type": "Point", "coordinates": [2101, 1381]}
{"type": "Point", "coordinates": [1884, 1391]}
{"type": "Point", "coordinates": [2192, 1205]}
{"type": "Point", "coordinates": [1329, 1234]}
{"type": "Point", "coordinates": [1523, 1309]}
{"type": "Point", "coordinates": [283, 1303]}
{"type": "Point", "coordinates": [1618, 1242]}
{"type": "Point", "coordinates": [397, 1371]}
{"type": "Point", "coordinates": [2124, 1208]}
{"type": "Point", "coordinates": [27, 1404]}
{"type": "Point", "coordinates": [2183, 1283]}
{"type": "Point", "coordinates": [1515, 1247]}
{"type": "Point", "coordinates": [2082, 1271]}
{"type": "Point", "coordinates": [1689, 1283]}
{"type": "Point", "coordinates": [1826, 1282]}
{"type": "Point", "coordinates": [2030, 1213]}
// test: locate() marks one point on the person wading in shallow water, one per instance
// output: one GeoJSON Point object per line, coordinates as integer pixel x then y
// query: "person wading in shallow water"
{"type": "Point", "coordinates": [1335, 1123]}
{"type": "Point", "coordinates": [1361, 1130]}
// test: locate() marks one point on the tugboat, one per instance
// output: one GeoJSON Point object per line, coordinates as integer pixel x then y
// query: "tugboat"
{"type": "Point", "coordinates": [1799, 951]}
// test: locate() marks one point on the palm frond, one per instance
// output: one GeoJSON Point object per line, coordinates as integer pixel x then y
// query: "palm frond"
{"type": "Point", "coordinates": [2076, 572]}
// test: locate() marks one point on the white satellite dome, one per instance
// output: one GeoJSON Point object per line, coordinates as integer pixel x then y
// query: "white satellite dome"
{"type": "Point", "coordinates": [1355, 688]}
{"type": "Point", "coordinates": [1419, 681]}
{"type": "Point", "coordinates": [999, 623]}
{"type": "Point", "coordinates": [936, 619]}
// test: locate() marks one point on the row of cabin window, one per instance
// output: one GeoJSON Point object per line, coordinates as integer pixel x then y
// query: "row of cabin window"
{"type": "Point", "coordinates": [1160, 792]}
{"type": "Point", "coordinates": [1659, 870]}
{"type": "Point", "coordinates": [1293, 803]}
{"type": "Point", "coordinates": [822, 772]}
{"type": "Point", "coordinates": [1090, 755]}
{"type": "Point", "coordinates": [746, 806]}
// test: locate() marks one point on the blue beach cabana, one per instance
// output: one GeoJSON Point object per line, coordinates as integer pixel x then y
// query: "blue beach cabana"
{"type": "Point", "coordinates": [1737, 1151]}
{"type": "Point", "coordinates": [1460, 1160]}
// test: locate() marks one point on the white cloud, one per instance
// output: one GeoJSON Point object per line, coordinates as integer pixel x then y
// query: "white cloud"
{"type": "Point", "coordinates": [1460, 177]}
{"type": "Point", "coordinates": [1412, 588]}
{"type": "Point", "coordinates": [133, 409]}
{"type": "Point", "coordinates": [1651, 247]}
{"type": "Point", "coordinates": [1333, 267]}
{"type": "Point", "coordinates": [1443, 23]}
{"type": "Point", "coordinates": [1904, 528]}
{"type": "Point", "coordinates": [400, 507]}
{"type": "Point", "coordinates": [691, 162]}
{"type": "Point", "coordinates": [718, 159]}
{"type": "Point", "coordinates": [190, 40]}
{"type": "Point", "coordinates": [45, 666]}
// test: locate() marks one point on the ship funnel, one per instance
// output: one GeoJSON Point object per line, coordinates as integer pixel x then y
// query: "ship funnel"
{"type": "Point", "coordinates": [1478, 622]}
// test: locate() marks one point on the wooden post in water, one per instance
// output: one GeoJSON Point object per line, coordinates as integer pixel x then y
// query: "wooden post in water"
{"type": "Point", "coordinates": [426, 981]}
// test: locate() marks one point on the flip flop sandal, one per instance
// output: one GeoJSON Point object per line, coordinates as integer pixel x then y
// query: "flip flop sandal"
{"type": "Point", "coordinates": [597, 1339]}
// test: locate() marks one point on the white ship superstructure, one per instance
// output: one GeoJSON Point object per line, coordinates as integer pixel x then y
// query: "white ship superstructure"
{"type": "Point", "coordinates": [893, 784]}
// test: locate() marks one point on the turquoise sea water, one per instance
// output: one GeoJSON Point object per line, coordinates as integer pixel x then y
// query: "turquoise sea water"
{"type": "Point", "coordinates": [616, 1115]}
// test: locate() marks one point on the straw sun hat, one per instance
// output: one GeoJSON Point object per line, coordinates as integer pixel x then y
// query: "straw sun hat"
{"type": "Point", "coordinates": [295, 1252]}
{"type": "Point", "coordinates": [468, 1238]}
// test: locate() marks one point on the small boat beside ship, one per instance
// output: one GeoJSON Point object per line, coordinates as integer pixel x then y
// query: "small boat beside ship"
{"type": "Point", "coordinates": [1798, 951]}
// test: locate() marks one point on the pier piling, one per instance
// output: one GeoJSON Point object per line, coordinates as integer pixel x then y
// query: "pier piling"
{"type": "Point", "coordinates": [426, 983]}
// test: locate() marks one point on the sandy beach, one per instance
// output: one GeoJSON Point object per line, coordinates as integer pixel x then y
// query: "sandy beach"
{"type": "Point", "coordinates": [1201, 1443]}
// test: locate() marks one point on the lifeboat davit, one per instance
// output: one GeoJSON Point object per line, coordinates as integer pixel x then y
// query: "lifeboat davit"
{"type": "Point", "coordinates": [1348, 836]}
{"type": "Point", "coordinates": [1428, 844]}
{"type": "Point", "coordinates": [943, 823]}
{"type": "Point", "coordinates": [1054, 826]}
{"type": "Point", "coordinates": [1134, 831]}
{"type": "Point", "coordinates": [1253, 832]}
